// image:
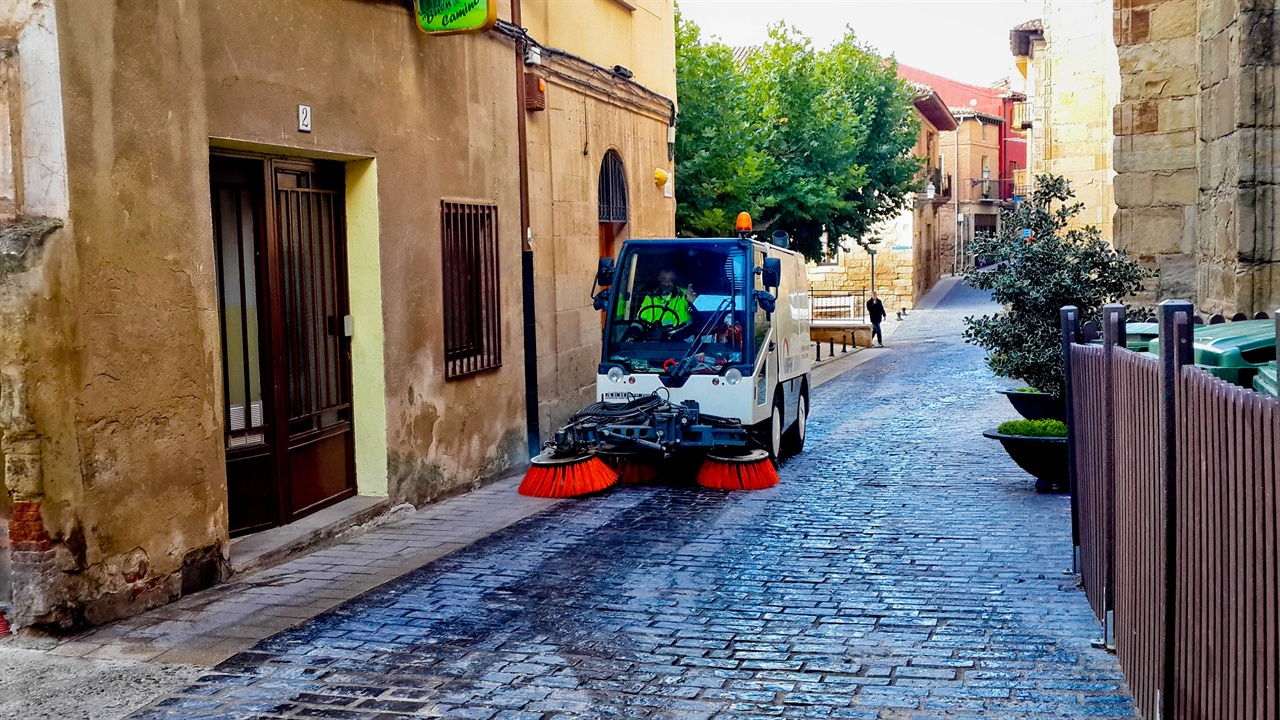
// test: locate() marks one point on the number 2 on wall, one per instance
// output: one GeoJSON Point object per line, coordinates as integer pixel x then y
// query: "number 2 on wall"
{"type": "Point", "coordinates": [304, 118]}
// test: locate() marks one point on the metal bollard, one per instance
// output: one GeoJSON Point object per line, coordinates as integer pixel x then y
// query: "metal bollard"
{"type": "Point", "coordinates": [831, 347]}
{"type": "Point", "coordinates": [817, 348]}
{"type": "Point", "coordinates": [844, 343]}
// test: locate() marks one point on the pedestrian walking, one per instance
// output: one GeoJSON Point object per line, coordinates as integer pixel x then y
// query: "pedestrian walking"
{"type": "Point", "coordinates": [875, 311]}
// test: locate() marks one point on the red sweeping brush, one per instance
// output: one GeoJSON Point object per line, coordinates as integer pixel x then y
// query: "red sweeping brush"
{"type": "Point", "coordinates": [552, 477]}
{"type": "Point", "coordinates": [751, 471]}
{"type": "Point", "coordinates": [632, 468]}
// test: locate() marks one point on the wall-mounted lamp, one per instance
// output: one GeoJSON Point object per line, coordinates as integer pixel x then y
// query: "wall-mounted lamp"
{"type": "Point", "coordinates": [930, 191]}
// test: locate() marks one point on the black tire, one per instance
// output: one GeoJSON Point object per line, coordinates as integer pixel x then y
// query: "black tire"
{"type": "Point", "coordinates": [765, 433]}
{"type": "Point", "coordinates": [793, 439]}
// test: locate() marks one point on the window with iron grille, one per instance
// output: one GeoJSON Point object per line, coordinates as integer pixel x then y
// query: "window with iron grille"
{"type": "Point", "coordinates": [613, 189]}
{"type": "Point", "coordinates": [472, 328]}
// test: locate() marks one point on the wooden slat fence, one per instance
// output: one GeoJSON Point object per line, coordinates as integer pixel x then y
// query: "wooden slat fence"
{"type": "Point", "coordinates": [1139, 520]}
{"type": "Point", "coordinates": [1089, 446]}
{"type": "Point", "coordinates": [1176, 509]}
{"type": "Point", "coordinates": [1226, 592]}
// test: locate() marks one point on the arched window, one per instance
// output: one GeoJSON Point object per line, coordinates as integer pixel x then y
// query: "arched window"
{"type": "Point", "coordinates": [613, 189]}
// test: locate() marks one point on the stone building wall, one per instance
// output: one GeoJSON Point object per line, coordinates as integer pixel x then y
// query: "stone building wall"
{"type": "Point", "coordinates": [1081, 81]}
{"type": "Point", "coordinates": [895, 280]}
{"type": "Point", "coordinates": [567, 143]}
{"type": "Point", "coordinates": [1198, 130]}
{"type": "Point", "coordinates": [975, 210]}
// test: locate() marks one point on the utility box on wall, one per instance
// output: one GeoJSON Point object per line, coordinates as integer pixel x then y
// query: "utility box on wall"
{"type": "Point", "coordinates": [535, 92]}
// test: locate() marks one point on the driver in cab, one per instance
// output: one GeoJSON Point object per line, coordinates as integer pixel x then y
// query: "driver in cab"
{"type": "Point", "coordinates": [668, 305]}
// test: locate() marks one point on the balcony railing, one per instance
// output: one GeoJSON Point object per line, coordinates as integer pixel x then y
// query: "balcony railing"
{"type": "Point", "coordinates": [1022, 112]}
{"type": "Point", "coordinates": [941, 183]}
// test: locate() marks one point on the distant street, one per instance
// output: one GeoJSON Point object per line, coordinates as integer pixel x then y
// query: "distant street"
{"type": "Point", "coordinates": [904, 568]}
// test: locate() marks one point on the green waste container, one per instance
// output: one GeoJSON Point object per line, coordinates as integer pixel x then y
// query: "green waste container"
{"type": "Point", "coordinates": [1265, 381]}
{"type": "Point", "coordinates": [1138, 335]}
{"type": "Point", "coordinates": [1233, 351]}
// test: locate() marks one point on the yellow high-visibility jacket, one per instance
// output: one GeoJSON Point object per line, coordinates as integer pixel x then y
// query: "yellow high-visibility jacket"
{"type": "Point", "coordinates": [676, 309]}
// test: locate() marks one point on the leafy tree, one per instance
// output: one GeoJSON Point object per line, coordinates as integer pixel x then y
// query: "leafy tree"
{"type": "Point", "coordinates": [717, 146]}
{"type": "Point", "coordinates": [1034, 277]}
{"type": "Point", "coordinates": [808, 141]}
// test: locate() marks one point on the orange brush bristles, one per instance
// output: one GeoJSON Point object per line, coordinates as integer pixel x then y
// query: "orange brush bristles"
{"type": "Point", "coordinates": [737, 475]}
{"type": "Point", "coordinates": [632, 472]}
{"type": "Point", "coordinates": [568, 479]}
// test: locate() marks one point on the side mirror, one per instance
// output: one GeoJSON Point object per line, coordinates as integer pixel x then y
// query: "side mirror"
{"type": "Point", "coordinates": [771, 272]}
{"type": "Point", "coordinates": [767, 302]}
{"type": "Point", "coordinates": [600, 300]}
{"type": "Point", "coordinates": [604, 273]}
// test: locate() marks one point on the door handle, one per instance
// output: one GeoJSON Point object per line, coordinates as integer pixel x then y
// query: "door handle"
{"type": "Point", "coordinates": [344, 326]}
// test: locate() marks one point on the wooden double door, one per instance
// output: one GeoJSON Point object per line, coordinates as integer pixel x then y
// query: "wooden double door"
{"type": "Point", "coordinates": [279, 232]}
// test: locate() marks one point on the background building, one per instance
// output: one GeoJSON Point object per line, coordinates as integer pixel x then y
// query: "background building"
{"type": "Point", "coordinates": [908, 258]}
{"type": "Point", "coordinates": [1069, 64]}
{"type": "Point", "coordinates": [992, 159]}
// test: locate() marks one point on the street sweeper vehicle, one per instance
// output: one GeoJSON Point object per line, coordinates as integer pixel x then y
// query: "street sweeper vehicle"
{"type": "Point", "coordinates": [705, 363]}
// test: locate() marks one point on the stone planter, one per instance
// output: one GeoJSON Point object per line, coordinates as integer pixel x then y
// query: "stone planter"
{"type": "Point", "coordinates": [1037, 405]}
{"type": "Point", "coordinates": [1044, 458]}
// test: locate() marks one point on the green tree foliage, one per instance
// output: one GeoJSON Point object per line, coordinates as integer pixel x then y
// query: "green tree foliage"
{"type": "Point", "coordinates": [805, 140]}
{"type": "Point", "coordinates": [720, 164]}
{"type": "Point", "coordinates": [1033, 278]}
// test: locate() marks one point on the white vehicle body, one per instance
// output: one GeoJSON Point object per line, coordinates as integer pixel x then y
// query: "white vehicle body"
{"type": "Point", "coordinates": [776, 350]}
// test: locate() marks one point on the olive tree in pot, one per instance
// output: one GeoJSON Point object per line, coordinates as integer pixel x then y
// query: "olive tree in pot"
{"type": "Point", "coordinates": [1038, 263]}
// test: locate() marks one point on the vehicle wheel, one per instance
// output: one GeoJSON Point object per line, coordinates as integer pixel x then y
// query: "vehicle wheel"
{"type": "Point", "coordinates": [793, 439]}
{"type": "Point", "coordinates": [776, 423]}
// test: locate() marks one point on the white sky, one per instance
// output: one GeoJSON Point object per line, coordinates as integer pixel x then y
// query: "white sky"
{"type": "Point", "coordinates": [966, 40]}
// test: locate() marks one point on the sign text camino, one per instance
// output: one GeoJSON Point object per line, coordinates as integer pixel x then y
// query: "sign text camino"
{"type": "Point", "coordinates": [445, 17]}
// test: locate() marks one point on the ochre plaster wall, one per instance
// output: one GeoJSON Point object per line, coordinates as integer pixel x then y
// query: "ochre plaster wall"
{"type": "Point", "coordinates": [608, 33]}
{"type": "Point", "coordinates": [123, 340]}
{"type": "Point", "coordinates": [438, 114]}
{"type": "Point", "coordinates": [129, 413]}
{"type": "Point", "coordinates": [972, 148]}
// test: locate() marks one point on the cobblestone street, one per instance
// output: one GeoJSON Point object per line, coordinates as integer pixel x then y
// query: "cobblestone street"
{"type": "Point", "coordinates": [904, 568]}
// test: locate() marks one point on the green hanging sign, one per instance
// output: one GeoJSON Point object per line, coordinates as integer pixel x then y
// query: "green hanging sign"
{"type": "Point", "coordinates": [446, 17]}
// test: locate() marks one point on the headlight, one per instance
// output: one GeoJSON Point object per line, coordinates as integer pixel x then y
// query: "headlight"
{"type": "Point", "coordinates": [733, 377]}
{"type": "Point", "coordinates": [616, 374]}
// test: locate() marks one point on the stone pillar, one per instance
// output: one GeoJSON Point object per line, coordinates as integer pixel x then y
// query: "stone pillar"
{"type": "Point", "coordinates": [33, 565]}
{"type": "Point", "coordinates": [1155, 150]}
{"type": "Point", "coordinates": [1238, 249]}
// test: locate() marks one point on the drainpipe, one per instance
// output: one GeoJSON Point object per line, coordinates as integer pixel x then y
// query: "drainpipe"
{"type": "Point", "coordinates": [955, 195]}
{"type": "Point", "coordinates": [526, 254]}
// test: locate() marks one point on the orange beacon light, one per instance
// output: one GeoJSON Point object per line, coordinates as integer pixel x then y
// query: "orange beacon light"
{"type": "Point", "coordinates": [744, 223]}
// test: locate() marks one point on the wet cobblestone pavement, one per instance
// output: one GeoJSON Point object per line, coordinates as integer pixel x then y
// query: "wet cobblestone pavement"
{"type": "Point", "coordinates": [904, 568]}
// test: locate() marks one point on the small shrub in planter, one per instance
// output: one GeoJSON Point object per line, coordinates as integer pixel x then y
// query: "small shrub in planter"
{"type": "Point", "coordinates": [1039, 272]}
{"type": "Point", "coordinates": [1038, 447]}
{"type": "Point", "coordinates": [1034, 428]}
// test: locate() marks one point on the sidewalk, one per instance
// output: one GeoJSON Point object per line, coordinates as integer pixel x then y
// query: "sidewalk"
{"type": "Point", "coordinates": [211, 626]}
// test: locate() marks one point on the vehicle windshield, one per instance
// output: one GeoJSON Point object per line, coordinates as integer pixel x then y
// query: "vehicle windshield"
{"type": "Point", "coordinates": [677, 306]}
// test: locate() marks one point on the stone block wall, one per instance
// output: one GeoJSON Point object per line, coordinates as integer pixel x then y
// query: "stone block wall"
{"type": "Point", "coordinates": [1198, 128]}
{"type": "Point", "coordinates": [1237, 247]}
{"type": "Point", "coordinates": [852, 273]}
{"type": "Point", "coordinates": [1156, 184]}
{"type": "Point", "coordinates": [567, 143]}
